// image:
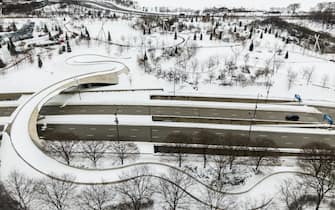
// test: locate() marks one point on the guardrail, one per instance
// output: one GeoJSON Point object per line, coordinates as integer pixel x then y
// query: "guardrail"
{"type": "Point", "coordinates": [233, 121]}
{"type": "Point", "coordinates": [217, 99]}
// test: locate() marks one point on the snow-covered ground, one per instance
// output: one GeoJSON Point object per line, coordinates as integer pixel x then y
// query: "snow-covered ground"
{"type": "Point", "coordinates": [94, 56]}
{"type": "Point", "coordinates": [256, 4]}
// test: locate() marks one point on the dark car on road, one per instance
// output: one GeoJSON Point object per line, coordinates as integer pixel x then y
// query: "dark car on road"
{"type": "Point", "coordinates": [292, 117]}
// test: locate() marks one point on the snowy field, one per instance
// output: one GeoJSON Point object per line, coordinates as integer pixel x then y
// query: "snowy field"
{"type": "Point", "coordinates": [256, 4]}
{"type": "Point", "coordinates": [218, 67]}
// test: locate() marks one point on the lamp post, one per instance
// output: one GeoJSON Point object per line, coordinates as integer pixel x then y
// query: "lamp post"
{"type": "Point", "coordinates": [253, 118]}
{"type": "Point", "coordinates": [78, 85]}
{"type": "Point", "coordinates": [117, 126]}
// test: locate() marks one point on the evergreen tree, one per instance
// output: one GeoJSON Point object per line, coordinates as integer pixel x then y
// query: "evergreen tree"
{"type": "Point", "coordinates": [2, 64]}
{"type": "Point", "coordinates": [12, 43]}
{"type": "Point", "coordinates": [240, 24]}
{"type": "Point", "coordinates": [235, 29]}
{"type": "Point", "coordinates": [245, 27]}
{"type": "Point", "coordinates": [250, 35]}
{"type": "Point", "coordinates": [60, 50]}
{"type": "Point", "coordinates": [287, 41]}
{"type": "Point", "coordinates": [195, 36]}
{"type": "Point", "coordinates": [251, 47]}
{"type": "Point", "coordinates": [68, 47]}
{"type": "Point", "coordinates": [276, 35]}
{"type": "Point", "coordinates": [88, 37]}
{"type": "Point", "coordinates": [266, 30]}
{"type": "Point", "coordinates": [66, 37]}
{"type": "Point", "coordinates": [286, 55]}
{"type": "Point", "coordinates": [11, 47]}
{"type": "Point", "coordinates": [261, 36]}
{"type": "Point", "coordinates": [201, 36]}
{"type": "Point", "coordinates": [176, 50]}
{"type": "Point", "coordinates": [14, 27]}
{"type": "Point", "coordinates": [145, 57]}
{"type": "Point", "coordinates": [270, 30]}
{"type": "Point", "coordinates": [40, 63]}
{"type": "Point", "coordinates": [60, 31]}
{"type": "Point", "coordinates": [109, 37]}
{"type": "Point", "coordinates": [144, 31]}
{"type": "Point", "coordinates": [220, 35]}
{"type": "Point", "coordinates": [149, 31]}
{"type": "Point", "coordinates": [45, 30]}
{"type": "Point", "coordinates": [175, 35]}
{"type": "Point", "coordinates": [63, 48]}
{"type": "Point", "coordinates": [211, 36]}
{"type": "Point", "coordinates": [50, 36]}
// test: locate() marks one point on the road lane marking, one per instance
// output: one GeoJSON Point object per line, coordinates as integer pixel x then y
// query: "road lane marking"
{"type": "Point", "coordinates": [262, 135]}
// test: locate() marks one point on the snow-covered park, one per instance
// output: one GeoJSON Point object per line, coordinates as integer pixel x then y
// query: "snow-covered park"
{"type": "Point", "coordinates": [91, 54]}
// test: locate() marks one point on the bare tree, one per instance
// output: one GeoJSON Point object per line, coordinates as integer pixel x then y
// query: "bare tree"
{"type": "Point", "coordinates": [124, 151]}
{"type": "Point", "coordinates": [22, 189]}
{"type": "Point", "coordinates": [324, 80]}
{"type": "Point", "coordinates": [216, 198]}
{"type": "Point", "coordinates": [173, 192]}
{"type": "Point", "coordinates": [307, 74]}
{"type": "Point", "coordinates": [94, 150]}
{"type": "Point", "coordinates": [291, 193]}
{"type": "Point", "coordinates": [205, 137]}
{"type": "Point", "coordinates": [291, 77]}
{"type": "Point", "coordinates": [138, 189]}
{"type": "Point", "coordinates": [55, 194]}
{"type": "Point", "coordinates": [63, 149]}
{"type": "Point", "coordinates": [293, 7]}
{"type": "Point", "coordinates": [319, 167]}
{"type": "Point", "coordinates": [261, 152]}
{"type": "Point", "coordinates": [178, 138]}
{"type": "Point", "coordinates": [96, 197]}
{"type": "Point", "coordinates": [220, 163]}
{"type": "Point", "coordinates": [6, 201]}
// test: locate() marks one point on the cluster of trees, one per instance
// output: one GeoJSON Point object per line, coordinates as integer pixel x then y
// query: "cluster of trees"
{"type": "Point", "coordinates": [324, 13]}
{"type": "Point", "coordinates": [222, 158]}
{"type": "Point", "coordinates": [315, 184]}
{"type": "Point", "coordinates": [94, 151]}
{"type": "Point", "coordinates": [135, 193]}
{"type": "Point", "coordinates": [11, 27]}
